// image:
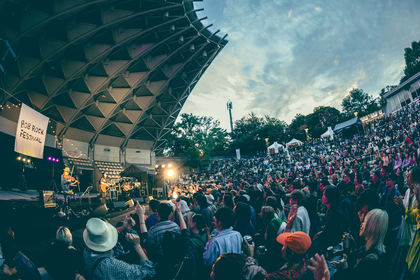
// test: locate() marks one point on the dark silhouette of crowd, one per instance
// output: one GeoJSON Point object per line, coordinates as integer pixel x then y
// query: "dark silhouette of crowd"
{"type": "Point", "coordinates": [328, 209]}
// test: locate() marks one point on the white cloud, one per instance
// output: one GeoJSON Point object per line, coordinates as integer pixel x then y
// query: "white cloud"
{"type": "Point", "coordinates": [288, 57]}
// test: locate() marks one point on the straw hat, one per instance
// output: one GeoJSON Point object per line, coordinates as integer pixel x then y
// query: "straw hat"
{"type": "Point", "coordinates": [99, 235]}
{"type": "Point", "coordinates": [66, 169]}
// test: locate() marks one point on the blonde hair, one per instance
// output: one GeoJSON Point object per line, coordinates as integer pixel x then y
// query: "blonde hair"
{"type": "Point", "coordinates": [376, 226]}
{"type": "Point", "coordinates": [64, 236]}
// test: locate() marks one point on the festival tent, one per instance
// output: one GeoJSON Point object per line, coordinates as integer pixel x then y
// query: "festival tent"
{"type": "Point", "coordinates": [275, 146]}
{"type": "Point", "coordinates": [326, 134]}
{"type": "Point", "coordinates": [347, 124]}
{"type": "Point", "coordinates": [294, 141]}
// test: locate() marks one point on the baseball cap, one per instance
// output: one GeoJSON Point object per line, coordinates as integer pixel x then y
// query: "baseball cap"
{"type": "Point", "coordinates": [299, 242]}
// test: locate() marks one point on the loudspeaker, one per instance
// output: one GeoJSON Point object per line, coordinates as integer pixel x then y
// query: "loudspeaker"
{"type": "Point", "coordinates": [129, 203]}
{"type": "Point", "coordinates": [139, 199]}
{"type": "Point", "coordinates": [149, 198]}
{"type": "Point", "coordinates": [47, 199]}
{"type": "Point", "coordinates": [100, 211]}
{"type": "Point", "coordinates": [119, 205]}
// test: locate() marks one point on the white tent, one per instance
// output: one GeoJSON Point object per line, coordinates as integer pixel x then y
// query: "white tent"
{"type": "Point", "coordinates": [294, 141]}
{"type": "Point", "coordinates": [327, 134]}
{"type": "Point", "coordinates": [276, 147]}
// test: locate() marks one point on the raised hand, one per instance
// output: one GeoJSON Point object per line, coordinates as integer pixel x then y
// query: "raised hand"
{"type": "Point", "coordinates": [128, 223]}
{"type": "Point", "coordinates": [140, 210]}
{"type": "Point", "coordinates": [319, 268]}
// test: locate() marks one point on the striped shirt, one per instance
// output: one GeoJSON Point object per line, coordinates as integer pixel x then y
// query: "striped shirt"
{"type": "Point", "coordinates": [156, 233]}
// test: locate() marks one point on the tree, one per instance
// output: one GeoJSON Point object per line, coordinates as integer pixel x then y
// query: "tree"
{"type": "Point", "coordinates": [359, 101]}
{"type": "Point", "coordinates": [197, 138]}
{"type": "Point", "coordinates": [412, 61]}
{"type": "Point", "coordinates": [319, 121]}
{"type": "Point", "coordinates": [297, 127]}
{"type": "Point", "coordinates": [246, 135]}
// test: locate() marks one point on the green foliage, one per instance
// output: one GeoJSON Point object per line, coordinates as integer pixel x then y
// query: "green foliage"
{"type": "Point", "coordinates": [319, 121]}
{"type": "Point", "coordinates": [297, 127]}
{"type": "Point", "coordinates": [361, 102]}
{"type": "Point", "coordinates": [250, 133]}
{"type": "Point", "coordinates": [412, 61]}
{"type": "Point", "coordinates": [197, 138]}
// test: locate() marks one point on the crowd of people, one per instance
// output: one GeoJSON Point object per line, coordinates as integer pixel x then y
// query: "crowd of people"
{"type": "Point", "coordinates": [328, 209]}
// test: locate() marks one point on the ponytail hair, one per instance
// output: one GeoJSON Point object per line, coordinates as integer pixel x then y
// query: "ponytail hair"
{"type": "Point", "coordinates": [200, 222]}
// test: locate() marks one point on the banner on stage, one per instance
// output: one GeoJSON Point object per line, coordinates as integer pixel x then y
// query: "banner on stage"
{"type": "Point", "coordinates": [238, 154]}
{"type": "Point", "coordinates": [31, 132]}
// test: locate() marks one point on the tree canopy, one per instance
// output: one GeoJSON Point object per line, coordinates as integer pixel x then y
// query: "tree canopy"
{"type": "Point", "coordinates": [412, 61]}
{"type": "Point", "coordinates": [360, 102]}
{"type": "Point", "coordinates": [197, 138]}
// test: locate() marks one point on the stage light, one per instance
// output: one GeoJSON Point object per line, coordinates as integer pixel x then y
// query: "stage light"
{"type": "Point", "coordinates": [170, 173]}
{"type": "Point", "coordinates": [29, 160]}
{"type": "Point", "coordinates": [156, 166]}
{"type": "Point", "coordinates": [169, 165]}
{"type": "Point", "coordinates": [49, 158]}
{"type": "Point", "coordinates": [24, 159]}
{"type": "Point", "coordinates": [19, 158]}
{"type": "Point", "coordinates": [163, 166]}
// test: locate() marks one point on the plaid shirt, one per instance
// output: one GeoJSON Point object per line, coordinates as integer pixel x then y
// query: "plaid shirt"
{"type": "Point", "coordinates": [112, 268]}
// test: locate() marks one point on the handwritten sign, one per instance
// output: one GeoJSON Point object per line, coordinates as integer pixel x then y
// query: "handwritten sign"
{"type": "Point", "coordinates": [31, 132]}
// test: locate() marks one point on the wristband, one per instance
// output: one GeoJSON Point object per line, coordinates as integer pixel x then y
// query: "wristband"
{"type": "Point", "coordinates": [142, 223]}
{"type": "Point", "coordinates": [183, 224]}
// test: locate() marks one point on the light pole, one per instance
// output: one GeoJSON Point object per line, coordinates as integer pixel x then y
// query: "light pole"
{"type": "Point", "coordinates": [229, 108]}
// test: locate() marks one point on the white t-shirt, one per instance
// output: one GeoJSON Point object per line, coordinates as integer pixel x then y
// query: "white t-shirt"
{"type": "Point", "coordinates": [301, 222]}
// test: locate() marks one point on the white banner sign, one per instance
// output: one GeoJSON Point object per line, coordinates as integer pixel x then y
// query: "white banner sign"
{"type": "Point", "coordinates": [238, 154]}
{"type": "Point", "coordinates": [31, 132]}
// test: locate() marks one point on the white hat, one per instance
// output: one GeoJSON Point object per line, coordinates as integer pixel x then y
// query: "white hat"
{"type": "Point", "coordinates": [210, 198]}
{"type": "Point", "coordinates": [260, 187]}
{"type": "Point", "coordinates": [99, 235]}
{"type": "Point", "coordinates": [247, 197]}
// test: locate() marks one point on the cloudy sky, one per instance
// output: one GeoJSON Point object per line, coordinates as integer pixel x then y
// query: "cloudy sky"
{"type": "Point", "coordinates": [288, 56]}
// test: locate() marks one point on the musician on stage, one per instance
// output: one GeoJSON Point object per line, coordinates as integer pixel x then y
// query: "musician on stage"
{"type": "Point", "coordinates": [66, 184]}
{"type": "Point", "coordinates": [104, 184]}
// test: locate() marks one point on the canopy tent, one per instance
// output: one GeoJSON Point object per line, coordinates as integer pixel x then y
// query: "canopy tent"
{"type": "Point", "coordinates": [347, 124]}
{"type": "Point", "coordinates": [136, 171]}
{"type": "Point", "coordinates": [275, 145]}
{"type": "Point", "coordinates": [294, 141]}
{"type": "Point", "coordinates": [144, 175]}
{"type": "Point", "coordinates": [326, 134]}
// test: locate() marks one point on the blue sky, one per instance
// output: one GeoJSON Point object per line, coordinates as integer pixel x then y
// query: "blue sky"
{"type": "Point", "coordinates": [286, 57]}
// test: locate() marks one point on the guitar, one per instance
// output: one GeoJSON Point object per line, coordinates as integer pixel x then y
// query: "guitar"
{"type": "Point", "coordinates": [105, 187]}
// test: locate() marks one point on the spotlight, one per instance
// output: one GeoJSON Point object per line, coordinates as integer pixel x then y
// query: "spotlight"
{"type": "Point", "coordinates": [29, 160]}
{"type": "Point", "coordinates": [163, 166]}
{"type": "Point", "coordinates": [170, 173]}
{"type": "Point", "coordinates": [49, 158]}
{"type": "Point", "coordinates": [169, 165]}
{"type": "Point", "coordinates": [24, 159]}
{"type": "Point", "coordinates": [19, 158]}
{"type": "Point", "coordinates": [156, 166]}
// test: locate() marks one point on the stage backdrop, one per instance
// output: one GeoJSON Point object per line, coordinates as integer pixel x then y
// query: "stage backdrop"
{"type": "Point", "coordinates": [31, 132]}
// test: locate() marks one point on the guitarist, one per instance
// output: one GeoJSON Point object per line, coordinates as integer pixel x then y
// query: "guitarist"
{"type": "Point", "coordinates": [103, 187]}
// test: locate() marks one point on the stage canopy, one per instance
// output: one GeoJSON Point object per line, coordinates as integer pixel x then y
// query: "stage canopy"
{"type": "Point", "coordinates": [347, 124]}
{"type": "Point", "coordinates": [135, 171]}
{"type": "Point", "coordinates": [107, 72]}
{"type": "Point", "coordinates": [294, 141]}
